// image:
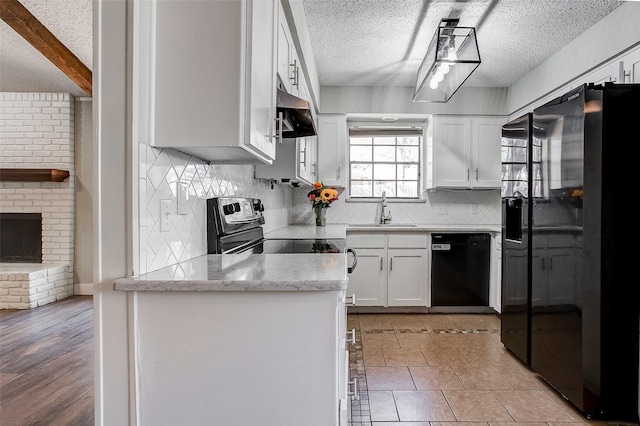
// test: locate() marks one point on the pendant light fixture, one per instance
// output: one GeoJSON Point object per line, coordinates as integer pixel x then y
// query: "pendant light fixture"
{"type": "Point", "coordinates": [451, 58]}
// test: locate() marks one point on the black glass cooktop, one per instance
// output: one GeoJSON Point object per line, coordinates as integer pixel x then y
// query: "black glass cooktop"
{"type": "Point", "coordinates": [303, 246]}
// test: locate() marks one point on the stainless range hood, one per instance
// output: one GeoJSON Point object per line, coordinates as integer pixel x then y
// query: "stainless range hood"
{"type": "Point", "coordinates": [297, 121]}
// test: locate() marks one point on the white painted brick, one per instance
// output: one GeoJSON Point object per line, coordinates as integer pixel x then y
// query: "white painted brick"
{"type": "Point", "coordinates": [43, 288]}
{"type": "Point", "coordinates": [15, 197]}
{"type": "Point", "coordinates": [55, 276]}
{"type": "Point", "coordinates": [19, 292]}
{"type": "Point", "coordinates": [46, 300]}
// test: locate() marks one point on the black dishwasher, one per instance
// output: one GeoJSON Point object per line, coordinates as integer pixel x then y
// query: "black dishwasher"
{"type": "Point", "coordinates": [460, 265]}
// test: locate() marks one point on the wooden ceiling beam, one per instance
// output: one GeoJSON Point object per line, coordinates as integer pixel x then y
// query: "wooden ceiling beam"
{"type": "Point", "coordinates": [31, 29]}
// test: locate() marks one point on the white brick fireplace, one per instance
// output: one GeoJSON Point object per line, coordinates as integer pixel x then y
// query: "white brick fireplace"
{"type": "Point", "coordinates": [37, 132]}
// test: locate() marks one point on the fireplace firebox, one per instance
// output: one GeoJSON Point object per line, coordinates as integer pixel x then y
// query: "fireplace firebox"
{"type": "Point", "coordinates": [21, 237]}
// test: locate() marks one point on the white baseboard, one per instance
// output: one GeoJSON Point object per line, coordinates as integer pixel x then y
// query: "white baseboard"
{"type": "Point", "coordinates": [83, 289]}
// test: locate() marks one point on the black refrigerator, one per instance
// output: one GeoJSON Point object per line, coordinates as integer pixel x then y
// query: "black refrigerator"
{"type": "Point", "coordinates": [585, 294]}
{"type": "Point", "coordinates": [518, 170]}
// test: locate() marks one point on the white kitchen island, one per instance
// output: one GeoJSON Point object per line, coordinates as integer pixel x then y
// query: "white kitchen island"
{"type": "Point", "coordinates": [240, 340]}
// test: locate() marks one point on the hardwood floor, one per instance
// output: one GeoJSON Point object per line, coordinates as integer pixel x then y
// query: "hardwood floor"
{"type": "Point", "coordinates": [47, 364]}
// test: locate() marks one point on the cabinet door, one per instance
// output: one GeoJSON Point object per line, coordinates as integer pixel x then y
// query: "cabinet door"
{"type": "Point", "coordinates": [262, 72]}
{"type": "Point", "coordinates": [213, 92]}
{"type": "Point", "coordinates": [485, 154]}
{"type": "Point", "coordinates": [312, 156]}
{"type": "Point", "coordinates": [285, 47]}
{"type": "Point", "coordinates": [368, 280]}
{"type": "Point", "coordinates": [407, 277]}
{"type": "Point", "coordinates": [304, 160]}
{"type": "Point", "coordinates": [332, 146]}
{"type": "Point", "coordinates": [452, 145]}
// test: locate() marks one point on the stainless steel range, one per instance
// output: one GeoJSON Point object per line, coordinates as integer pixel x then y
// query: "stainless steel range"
{"type": "Point", "coordinates": [234, 225]}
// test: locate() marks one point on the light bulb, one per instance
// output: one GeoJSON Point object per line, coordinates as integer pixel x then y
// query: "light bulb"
{"type": "Point", "coordinates": [451, 54]}
{"type": "Point", "coordinates": [433, 84]}
{"type": "Point", "coordinates": [444, 69]}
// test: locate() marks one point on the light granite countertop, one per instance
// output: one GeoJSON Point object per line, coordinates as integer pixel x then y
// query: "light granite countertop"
{"type": "Point", "coordinates": [339, 230]}
{"type": "Point", "coordinates": [273, 272]}
{"type": "Point", "coordinates": [246, 272]}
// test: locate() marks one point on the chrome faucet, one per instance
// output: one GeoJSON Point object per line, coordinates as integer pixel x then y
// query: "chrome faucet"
{"type": "Point", "coordinates": [384, 218]}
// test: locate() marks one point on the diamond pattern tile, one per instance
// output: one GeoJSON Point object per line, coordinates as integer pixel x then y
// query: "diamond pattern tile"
{"type": "Point", "coordinates": [161, 171]}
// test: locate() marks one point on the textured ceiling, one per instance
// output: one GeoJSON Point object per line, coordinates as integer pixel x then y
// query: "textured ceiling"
{"type": "Point", "coordinates": [383, 42]}
{"type": "Point", "coordinates": [355, 42]}
{"type": "Point", "coordinates": [24, 69]}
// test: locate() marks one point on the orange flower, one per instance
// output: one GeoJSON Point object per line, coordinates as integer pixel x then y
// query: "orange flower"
{"type": "Point", "coordinates": [322, 196]}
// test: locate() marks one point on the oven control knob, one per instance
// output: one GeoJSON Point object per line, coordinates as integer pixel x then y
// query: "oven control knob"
{"type": "Point", "coordinates": [259, 207]}
{"type": "Point", "coordinates": [236, 207]}
{"type": "Point", "coordinates": [228, 209]}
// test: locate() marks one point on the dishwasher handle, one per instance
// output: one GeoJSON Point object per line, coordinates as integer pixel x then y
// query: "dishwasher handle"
{"type": "Point", "coordinates": [352, 267]}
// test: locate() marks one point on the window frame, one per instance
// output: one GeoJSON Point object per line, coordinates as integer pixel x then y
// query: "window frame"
{"type": "Point", "coordinates": [397, 130]}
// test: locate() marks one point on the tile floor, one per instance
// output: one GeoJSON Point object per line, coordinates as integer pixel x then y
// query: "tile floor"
{"type": "Point", "coordinates": [432, 369]}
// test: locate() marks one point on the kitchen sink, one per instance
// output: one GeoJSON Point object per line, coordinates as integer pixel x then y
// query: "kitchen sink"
{"type": "Point", "coordinates": [382, 225]}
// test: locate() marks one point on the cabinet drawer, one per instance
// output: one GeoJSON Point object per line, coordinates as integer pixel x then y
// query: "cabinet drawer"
{"type": "Point", "coordinates": [366, 241]}
{"type": "Point", "coordinates": [407, 241]}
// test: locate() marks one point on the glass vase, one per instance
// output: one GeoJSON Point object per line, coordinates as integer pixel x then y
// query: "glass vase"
{"type": "Point", "coordinates": [321, 216]}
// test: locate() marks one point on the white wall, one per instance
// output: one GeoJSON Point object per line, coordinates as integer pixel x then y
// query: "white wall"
{"type": "Point", "coordinates": [615, 34]}
{"type": "Point", "coordinates": [83, 274]}
{"type": "Point", "coordinates": [397, 100]}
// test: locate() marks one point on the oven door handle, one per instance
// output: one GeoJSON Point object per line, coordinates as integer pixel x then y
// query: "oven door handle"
{"type": "Point", "coordinates": [352, 267]}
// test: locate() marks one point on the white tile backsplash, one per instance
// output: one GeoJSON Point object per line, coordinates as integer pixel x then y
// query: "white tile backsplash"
{"type": "Point", "coordinates": [161, 170]}
{"type": "Point", "coordinates": [442, 207]}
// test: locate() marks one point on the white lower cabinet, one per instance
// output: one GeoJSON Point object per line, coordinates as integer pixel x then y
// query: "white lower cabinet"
{"type": "Point", "coordinates": [392, 268]}
{"type": "Point", "coordinates": [239, 358]}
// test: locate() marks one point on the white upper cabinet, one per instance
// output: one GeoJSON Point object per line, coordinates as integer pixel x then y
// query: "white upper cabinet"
{"type": "Point", "coordinates": [212, 78]}
{"type": "Point", "coordinates": [332, 149]}
{"type": "Point", "coordinates": [293, 163]}
{"type": "Point", "coordinates": [465, 152]}
{"type": "Point", "coordinates": [288, 64]}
